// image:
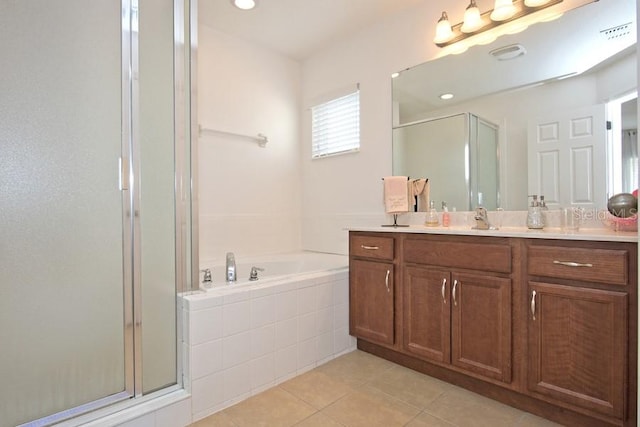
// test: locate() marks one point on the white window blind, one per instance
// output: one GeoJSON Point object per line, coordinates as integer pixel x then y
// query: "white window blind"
{"type": "Point", "coordinates": [335, 126]}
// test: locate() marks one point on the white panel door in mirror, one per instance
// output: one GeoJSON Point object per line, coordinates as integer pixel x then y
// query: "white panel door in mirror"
{"type": "Point", "coordinates": [567, 152]}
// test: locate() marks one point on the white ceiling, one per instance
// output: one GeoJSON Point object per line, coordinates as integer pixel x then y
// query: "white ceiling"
{"type": "Point", "coordinates": [298, 28]}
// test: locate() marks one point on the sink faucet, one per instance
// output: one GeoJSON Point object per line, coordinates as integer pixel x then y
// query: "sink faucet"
{"type": "Point", "coordinates": [231, 267]}
{"type": "Point", "coordinates": [482, 219]}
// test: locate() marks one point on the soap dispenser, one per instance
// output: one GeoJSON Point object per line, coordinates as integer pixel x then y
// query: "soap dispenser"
{"type": "Point", "coordinates": [446, 219]}
{"type": "Point", "coordinates": [535, 219]}
{"type": "Point", "coordinates": [432, 216]}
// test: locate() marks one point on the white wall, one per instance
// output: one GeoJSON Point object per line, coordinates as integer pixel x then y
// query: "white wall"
{"type": "Point", "coordinates": [249, 196]}
{"type": "Point", "coordinates": [347, 190]}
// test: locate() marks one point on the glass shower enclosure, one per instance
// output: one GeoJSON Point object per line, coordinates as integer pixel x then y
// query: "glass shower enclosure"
{"type": "Point", "coordinates": [91, 220]}
{"type": "Point", "coordinates": [459, 155]}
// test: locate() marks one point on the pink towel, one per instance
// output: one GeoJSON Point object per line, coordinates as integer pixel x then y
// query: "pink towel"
{"type": "Point", "coordinates": [396, 194]}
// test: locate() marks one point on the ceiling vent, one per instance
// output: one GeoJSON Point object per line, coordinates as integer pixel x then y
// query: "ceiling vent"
{"type": "Point", "coordinates": [617, 32]}
{"type": "Point", "coordinates": [506, 53]}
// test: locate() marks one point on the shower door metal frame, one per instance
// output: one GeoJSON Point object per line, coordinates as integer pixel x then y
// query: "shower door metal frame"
{"type": "Point", "coordinates": [128, 188]}
{"type": "Point", "coordinates": [129, 191]}
{"type": "Point", "coordinates": [185, 11]}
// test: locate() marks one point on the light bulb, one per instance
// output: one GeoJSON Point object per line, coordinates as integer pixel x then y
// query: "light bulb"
{"type": "Point", "coordinates": [503, 10]}
{"type": "Point", "coordinates": [472, 20]}
{"type": "Point", "coordinates": [443, 30]}
{"type": "Point", "coordinates": [244, 4]}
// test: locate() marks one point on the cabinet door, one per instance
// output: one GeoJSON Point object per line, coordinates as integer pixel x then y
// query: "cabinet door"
{"type": "Point", "coordinates": [577, 346]}
{"type": "Point", "coordinates": [481, 325]}
{"type": "Point", "coordinates": [427, 304]}
{"type": "Point", "coordinates": [371, 301]}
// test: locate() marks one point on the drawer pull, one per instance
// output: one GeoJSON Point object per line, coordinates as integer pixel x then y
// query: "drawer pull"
{"type": "Point", "coordinates": [386, 281]}
{"type": "Point", "coordinates": [533, 304]}
{"type": "Point", "coordinates": [369, 248]}
{"type": "Point", "coordinates": [444, 285]}
{"type": "Point", "coordinates": [572, 264]}
{"type": "Point", "coordinates": [455, 285]}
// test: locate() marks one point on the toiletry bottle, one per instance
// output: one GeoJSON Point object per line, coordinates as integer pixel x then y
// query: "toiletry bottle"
{"type": "Point", "coordinates": [446, 220]}
{"type": "Point", "coordinates": [432, 216]}
{"type": "Point", "coordinates": [534, 216]}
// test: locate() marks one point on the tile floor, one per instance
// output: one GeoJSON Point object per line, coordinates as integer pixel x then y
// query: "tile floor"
{"type": "Point", "coordinates": [359, 389]}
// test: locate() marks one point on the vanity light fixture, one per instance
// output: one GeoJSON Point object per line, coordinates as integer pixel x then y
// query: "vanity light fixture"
{"type": "Point", "coordinates": [472, 20]}
{"type": "Point", "coordinates": [474, 23]}
{"type": "Point", "coordinates": [535, 3]}
{"type": "Point", "coordinates": [444, 32]}
{"type": "Point", "coordinates": [503, 10]}
{"type": "Point", "coordinates": [244, 4]}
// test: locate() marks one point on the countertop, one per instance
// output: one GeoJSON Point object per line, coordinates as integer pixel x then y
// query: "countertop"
{"type": "Point", "coordinates": [595, 234]}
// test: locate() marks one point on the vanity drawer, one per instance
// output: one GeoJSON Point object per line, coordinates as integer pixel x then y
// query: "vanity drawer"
{"type": "Point", "coordinates": [609, 266]}
{"type": "Point", "coordinates": [472, 256]}
{"type": "Point", "coordinates": [371, 247]}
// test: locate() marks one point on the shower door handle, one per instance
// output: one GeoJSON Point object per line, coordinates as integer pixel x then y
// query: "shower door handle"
{"type": "Point", "coordinates": [123, 172]}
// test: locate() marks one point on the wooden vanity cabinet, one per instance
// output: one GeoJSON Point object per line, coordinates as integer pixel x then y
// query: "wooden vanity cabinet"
{"type": "Point", "coordinates": [581, 334]}
{"type": "Point", "coordinates": [372, 288]}
{"type": "Point", "coordinates": [548, 326]}
{"type": "Point", "coordinates": [458, 317]}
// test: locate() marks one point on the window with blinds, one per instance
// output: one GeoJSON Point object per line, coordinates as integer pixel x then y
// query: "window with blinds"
{"type": "Point", "coordinates": [335, 126]}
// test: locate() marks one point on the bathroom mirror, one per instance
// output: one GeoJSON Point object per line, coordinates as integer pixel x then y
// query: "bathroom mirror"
{"type": "Point", "coordinates": [586, 57]}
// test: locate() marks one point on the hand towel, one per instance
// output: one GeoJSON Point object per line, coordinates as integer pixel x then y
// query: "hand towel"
{"type": "Point", "coordinates": [420, 187]}
{"type": "Point", "coordinates": [396, 194]}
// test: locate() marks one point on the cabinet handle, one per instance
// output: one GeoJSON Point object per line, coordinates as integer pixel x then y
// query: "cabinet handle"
{"type": "Point", "coordinates": [386, 281]}
{"type": "Point", "coordinates": [444, 284]}
{"type": "Point", "coordinates": [533, 304]}
{"type": "Point", "coordinates": [369, 248]}
{"type": "Point", "coordinates": [572, 264]}
{"type": "Point", "coordinates": [455, 285]}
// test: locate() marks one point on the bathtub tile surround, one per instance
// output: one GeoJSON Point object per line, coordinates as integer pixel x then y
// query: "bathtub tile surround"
{"type": "Point", "coordinates": [244, 340]}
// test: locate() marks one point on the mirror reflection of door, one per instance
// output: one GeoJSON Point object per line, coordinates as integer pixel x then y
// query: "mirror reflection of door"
{"type": "Point", "coordinates": [566, 155]}
{"type": "Point", "coordinates": [622, 114]}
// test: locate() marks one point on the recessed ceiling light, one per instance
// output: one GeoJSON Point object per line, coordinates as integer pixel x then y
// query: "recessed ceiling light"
{"type": "Point", "coordinates": [446, 96]}
{"type": "Point", "coordinates": [244, 4]}
{"type": "Point", "coordinates": [394, 75]}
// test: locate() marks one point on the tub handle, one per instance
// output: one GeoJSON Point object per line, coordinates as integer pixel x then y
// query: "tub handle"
{"type": "Point", "coordinates": [207, 275]}
{"type": "Point", "coordinates": [253, 275]}
{"type": "Point", "coordinates": [386, 281]}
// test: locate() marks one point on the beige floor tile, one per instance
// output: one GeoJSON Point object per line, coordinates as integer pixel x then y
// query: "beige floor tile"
{"type": "Point", "coordinates": [318, 420]}
{"type": "Point", "coordinates": [316, 388]}
{"type": "Point", "coordinates": [368, 407]}
{"type": "Point", "coordinates": [219, 419]}
{"type": "Point", "coordinates": [274, 407]}
{"type": "Point", "coordinates": [464, 408]}
{"type": "Point", "coordinates": [410, 386]}
{"type": "Point", "coordinates": [427, 420]}
{"type": "Point", "coordinates": [355, 368]}
{"type": "Point", "coordinates": [530, 420]}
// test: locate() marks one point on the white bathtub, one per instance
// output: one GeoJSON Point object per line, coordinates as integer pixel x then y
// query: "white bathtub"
{"type": "Point", "coordinates": [274, 268]}
{"type": "Point", "coordinates": [246, 337]}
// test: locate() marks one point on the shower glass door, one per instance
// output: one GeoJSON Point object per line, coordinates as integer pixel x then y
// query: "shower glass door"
{"type": "Point", "coordinates": [62, 219]}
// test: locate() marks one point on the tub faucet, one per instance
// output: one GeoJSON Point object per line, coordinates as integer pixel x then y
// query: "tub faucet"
{"type": "Point", "coordinates": [482, 219]}
{"type": "Point", "coordinates": [231, 267]}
